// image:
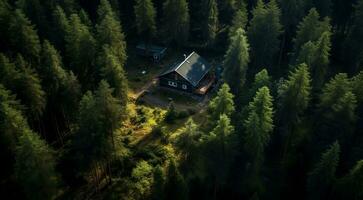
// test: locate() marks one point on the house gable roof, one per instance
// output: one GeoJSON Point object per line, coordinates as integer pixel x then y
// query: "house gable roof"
{"type": "Point", "coordinates": [193, 68]}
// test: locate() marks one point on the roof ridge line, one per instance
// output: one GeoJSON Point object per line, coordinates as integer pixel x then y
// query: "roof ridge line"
{"type": "Point", "coordinates": [184, 61]}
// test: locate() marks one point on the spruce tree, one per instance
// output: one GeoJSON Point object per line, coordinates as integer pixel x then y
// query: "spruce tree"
{"type": "Point", "coordinates": [307, 54]}
{"type": "Point", "coordinates": [261, 79]}
{"type": "Point", "coordinates": [239, 20]}
{"type": "Point", "coordinates": [263, 34]}
{"type": "Point", "coordinates": [60, 27]}
{"type": "Point", "coordinates": [350, 186]}
{"type": "Point", "coordinates": [188, 139]}
{"type": "Point", "coordinates": [80, 50]}
{"type": "Point", "coordinates": [109, 32]}
{"type": "Point", "coordinates": [321, 60]}
{"type": "Point", "coordinates": [357, 82]}
{"type": "Point", "coordinates": [35, 167]}
{"type": "Point", "coordinates": [145, 19]}
{"type": "Point", "coordinates": [294, 96]}
{"type": "Point", "coordinates": [310, 29]}
{"type": "Point", "coordinates": [322, 177]}
{"type": "Point", "coordinates": [210, 21]}
{"type": "Point", "coordinates": [26, 41]}
{"type": "Point", "coordinates": [176, 21]}
{"type": "Point", "coordinates": [236, 62]}
{"type": "Point", "coordinates": [112, 70]}
{"type": "Point", "coordinates": [221, 104]}
{"type": "Point", "coordinates": [259, 125]}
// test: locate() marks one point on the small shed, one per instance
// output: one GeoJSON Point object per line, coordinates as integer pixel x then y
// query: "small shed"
{"type": "Point", "coordinates": [193, 75]}
{"type": "Point", "coordinates": [156, 53]}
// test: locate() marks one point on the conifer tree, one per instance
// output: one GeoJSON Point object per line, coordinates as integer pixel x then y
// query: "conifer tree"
{"type": "Point", "coordinates": [292, 11]}
{"type": "Point", "coordinates": [210, 22]}
{"type": "Point", "coordinates": [353, 49]}
{"type": "Point", "coordinates": [263, 33]}
{"type": "Point", "coordinates": [26, 41]}
{"type": "Point", "coordinates": [294, 95]}
{"type": "Point", "coordinates": [188, 139]}
{"type": "Point", "coordinates": [261, 79]}
{"type": "Point", "coordinates": [175, 185]}
{"type": "Point", "coordinates": [220, 151]}
{"type": "Point", "coordinates": [176, 21]}
{"type": "Point", "coordinates": [307, 54]}
{"type": "Point", "coordinates": [357, 82]}
{"type": "Point", "coordinates": [145, 19]}
{"type": "Point", "coordinates": [80, 50]}
{"type": "Point", "coordinates": [105, 8]}
{"type": "Point", "coordinates": [236, 62]}
{"type": "Point", "coordinates": [239, 20]}
{"type": "Point", "coordinates": [321, 61]}
{"type": "Point", "coordinates": [322, 178]}
{"type": "Point", "coordinates": [109, 32]}
{"type": "Point", "coordinates": [5, 16]}
{"type": "Point", "coordinates": [337, 106]}
{"type": "Point", "coordinates": [259, 125]}
{"type": "Point", "coordinates": [350, 186]}
{"type": "Point", "coordinates": [222, 103]}
{"type": "Point", "coordinates": [35, 167]}
{"type": "Point", "coordinates": [112, 70]}
{"type": "Point", "coordinates": [60, 27]}
{"type": "Point", "coordinates": [310, 29]}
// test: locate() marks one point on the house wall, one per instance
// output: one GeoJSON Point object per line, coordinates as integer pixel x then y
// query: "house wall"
{"type": "Point", "coordinates": [179, 82]}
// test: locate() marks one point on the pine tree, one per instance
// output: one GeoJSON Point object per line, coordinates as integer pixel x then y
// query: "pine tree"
{"type": "Point", "coordinates": [350, 186]}
{"type": "Point", "coordinates": [112, 71]}
{"type": "Point", "coordinates": [357, 82]}
{"type": "Point", "coordinates": [210, 21]}
{"type": "Point", "coordinates": [240, 19]}
{"type": "Point", "coordinates": [264, 47]}
{"type": "Point", "coordinates": [29, 89]}
{"type": "Point", "coordinates": [259, 124]}
{"type": "Point", "coordinates": [35, 167]}
{"type": "Point", "coordinates": [307, 54]}
{"type": "Point", "coordinates": [80, 50]}
{"type": "Point", "coordinates": [261, 79]}
{"type": "Point", "coordinates": [353, 49]}
{"type": "Point", "coordinates": [26, 41]}
{"type": "Point", "coordinates": [221, 104]}
{"type": "Point", "coordinates": [188, 140]}
{"type": "Point", "coordinates": [236, 62]}
{"type": "Point", "coordinates": [219, 151]}
{"type": "Point", "coordinates": [176, 21]}
{"type": "Point", "coordinates": [60, 27]}
{"type": "Point", "coordinates": [51, 69]}
{"type": "Point", "coordinates": [294, 95]}
{"type": "Point", "coordinates": [322, 178]}
{"type": "Point", "coordinates": [310, 29]}
{"type": "Point", "coordinates": [109, 32]}
{"type": "Point", "coordinates": [5, 16]}
{"type": "Point", "coordinates": [175, 185]}
{"type": "Point", "coordinates": [337, 107]}
{"type": "Point", "coordinates": [321, 60]}
{"type": "Point", "coordinates": [104, 9]}
{"type": "Point", "coordinates": [145, 19]}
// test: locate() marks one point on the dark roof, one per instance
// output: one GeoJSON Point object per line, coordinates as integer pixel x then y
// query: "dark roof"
{"type": "Point", "coordinates": [193, 68]}
{"type": "Point", "coordinates": [152, 48]}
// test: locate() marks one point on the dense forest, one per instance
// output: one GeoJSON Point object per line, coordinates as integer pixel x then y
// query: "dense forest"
{"type": "Point", "coordinates": [285, 122]}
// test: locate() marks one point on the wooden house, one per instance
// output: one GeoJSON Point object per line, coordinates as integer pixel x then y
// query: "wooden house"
{"type": "Point", "coordinates": [156, 53]}
{"type": "Point", "coordinates": [193, 75]}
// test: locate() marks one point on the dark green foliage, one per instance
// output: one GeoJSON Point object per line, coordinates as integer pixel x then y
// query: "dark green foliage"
{"type": "Point", "coordinates": [292, 12]}
{"type": "Point", "coordinates": [294, 95]}
{"type": "Point", "coordinates": [210, 22]}
{"type": "Point", "coordinates": [171, 115]}
{"type": "Point", "coordinates": [80, 50]}
{"type": "Point", "coordinates": [157, 191]}
{"type": "Point", "coordinates": [112, 70]}
{"type": "Point", "coordinates": [264, 47]}
{"type": "Point", "coordinates": [322, 178]}
{"type": "Point", "coordinates": [176, 21]}
{"type": "Point", "coordinates": [310, 29]}
{"type": "Point", "coordinates": [175, 185]}
{"type": "Point", "coordinates": [35, 167]}
{"type": "Point", "coordinates": [236, 62]}
{"type": "Point", "coordinates": [324, 7]}
{"type": "Point", "coordinates": [145, 19]}
{"type": "Point", "coordinates": [240, 19]}
{"type": "Point", "coordinates": [350, 186]}
{"type": "Point", "coordinates": [26, 41]}
{"type": "Point", "coordinates": [353, 49]}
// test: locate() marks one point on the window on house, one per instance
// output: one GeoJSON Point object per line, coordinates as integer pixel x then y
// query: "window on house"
{"type": "Point", "coordinates": [172, 83]}
{"type": "Point", "coordinates": [184, 87]}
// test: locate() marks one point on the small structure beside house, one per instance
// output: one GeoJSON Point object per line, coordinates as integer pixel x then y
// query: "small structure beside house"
{"type": "Point", "coordinates": [193, 75]}
{"type": "Point", "coordinates": [156, 53]}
